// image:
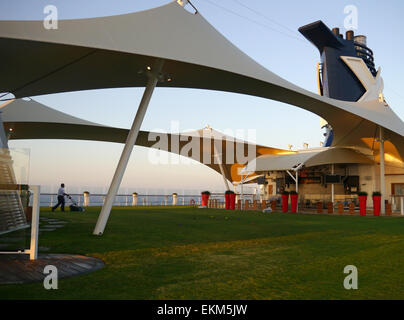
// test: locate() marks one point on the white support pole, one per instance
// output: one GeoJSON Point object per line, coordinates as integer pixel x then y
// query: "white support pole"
{"type": "Point", "coordinates": [242, 195]}
{"type": "Point", "coordinates": [291, 175]}
{"type": "Point", "coordinates": [242, 190]}
{"type": "Point", "coordinates": [382, 170]}
{"type": "Point", "coordinates": [33, 251]}
{"type": "Point", "coordinates": [219, 161]}
{"type": "Point", "coordinates": [130, 142]}
{"type": "Point", "coordinates": [296, 179]}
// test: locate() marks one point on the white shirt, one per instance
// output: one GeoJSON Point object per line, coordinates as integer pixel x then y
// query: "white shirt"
{"type": "Point", "coordinates": [61, 192]}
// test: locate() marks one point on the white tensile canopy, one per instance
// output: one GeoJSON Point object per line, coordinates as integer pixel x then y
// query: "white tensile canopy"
{"type": "Point", "coordinates": [166, 46]}
{"type": "Point", "coordinates": [110, 52]}
{"type": "Point", "coordinates": [29, 119]}
{"type": "Point", "coordinates": [321, 156]}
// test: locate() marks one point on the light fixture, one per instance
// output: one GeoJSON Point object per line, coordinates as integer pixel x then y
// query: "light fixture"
{"type": "Point", "coordinates": [187, 5]}
{"type": "Point", "coordinates": [182, 3]}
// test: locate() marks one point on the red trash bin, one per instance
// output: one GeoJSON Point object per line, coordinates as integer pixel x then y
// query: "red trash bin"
{"type": "Point", "coordinates": [226, 200]}
{"type": "Point", "coordinates": [285, 200]}
{"type": "Point", "coordinates": [362, 203]}
{"type": "Point", "coordinates": [293, 202]}
{"type": "Point", "coordinates": [377, 199]}
{"type": "Point", "coordinates": [227, 197]}
{"type": "Point", "coordinates": [205, 198]}
{"type": "Point", "coordinates": [232, 201]}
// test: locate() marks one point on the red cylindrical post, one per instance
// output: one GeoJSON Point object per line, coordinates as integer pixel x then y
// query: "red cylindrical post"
{"type": "Point", "coordinates": [227, 201]}
{"type": "Point", "coordinates": [293, 202]}
{"type": "Point", "coordinates": [376, 205]}
{"type": "Point", "coordinates": [362, 205]}
{"type": "Point", "coordinates": [232, 201]}
{"type": "Point", "coordinates": [205, 199]}
{"type": "Point", "coordinates": [285, 200]}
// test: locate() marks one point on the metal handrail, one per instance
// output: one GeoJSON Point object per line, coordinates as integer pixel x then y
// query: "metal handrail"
{"type": "Point", "coordinates": [363, 46]}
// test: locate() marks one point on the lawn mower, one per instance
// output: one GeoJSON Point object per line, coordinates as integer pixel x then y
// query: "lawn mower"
{"type": "Point", "coordinates": [74, 206]}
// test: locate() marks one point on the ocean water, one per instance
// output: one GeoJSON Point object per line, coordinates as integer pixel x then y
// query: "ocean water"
{"type": "Point", "coordinates": [48, 200]}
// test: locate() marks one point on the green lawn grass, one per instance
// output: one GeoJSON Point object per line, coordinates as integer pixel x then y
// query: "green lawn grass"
{"type": "Point", "coordinates": [188, 253]}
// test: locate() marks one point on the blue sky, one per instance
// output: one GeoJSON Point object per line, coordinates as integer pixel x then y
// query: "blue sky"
{"type": "Point", "coordinates": [265, 30]}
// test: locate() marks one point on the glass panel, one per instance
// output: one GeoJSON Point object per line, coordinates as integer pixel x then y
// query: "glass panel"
{"type": "Point", "coordinates": [20, 157]}
{"type": "Point", "coordinates": [399, 188]}
{"type": "Point", "coordinates": [14, 199]}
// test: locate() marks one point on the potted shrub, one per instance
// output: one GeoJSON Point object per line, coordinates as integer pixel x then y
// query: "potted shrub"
{"type": "Point", "coordinates": [293, 201]}
{"type": "Point", "coordinates": [362, 202]}
{"type": "Point", "coordinates": [230, 198]}
{"type": "Point", "coordinates": [285, 200]}
{"type": "Point", "coordinates": [205, 198]}
{"type": "Point", "coordinates": [376, 196]}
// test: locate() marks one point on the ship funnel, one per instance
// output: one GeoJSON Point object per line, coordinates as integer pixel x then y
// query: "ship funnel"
{"type": "Point", "coordinates": [349, 35]}
{"type": "Point", "coordinates": [361, 39]}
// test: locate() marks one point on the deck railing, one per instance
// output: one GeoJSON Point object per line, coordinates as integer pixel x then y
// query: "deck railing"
{"type": "Point", "coordinates": [97, 199]}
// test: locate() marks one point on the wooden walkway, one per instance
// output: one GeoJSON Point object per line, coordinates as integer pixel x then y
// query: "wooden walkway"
{"type": "Point", "coordinates": [17, 268]}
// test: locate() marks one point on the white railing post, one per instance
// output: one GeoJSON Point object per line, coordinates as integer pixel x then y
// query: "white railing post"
{"type": "Point", "coordinates": [174, 199]}
{"type": "Point", "coordinates": [86, 199]}
{"type": "Point", "coordinates": [134, 199]}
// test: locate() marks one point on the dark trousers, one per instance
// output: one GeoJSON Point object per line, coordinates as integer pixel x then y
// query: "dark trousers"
{"type": "Point", "coordinates": [61, 202]}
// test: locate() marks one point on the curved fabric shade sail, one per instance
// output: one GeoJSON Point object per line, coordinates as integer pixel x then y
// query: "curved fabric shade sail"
{"type": "Point", "coordinates": [336, 156]}
{"type": "Point", "coordinates": [170, 47]}
{"type": "Point", "coordinates": [115, 51]}
{"type": "Point", "coordinates": [33, 120]}
{"type": "Point", "coordinates": [313, 158]}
